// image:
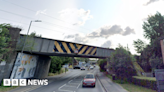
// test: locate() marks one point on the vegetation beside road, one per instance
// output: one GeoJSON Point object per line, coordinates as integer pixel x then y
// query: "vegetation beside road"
{"type": "Point", "coordinates": [57, 73]}
{"type": "Point", "coordinates": [4, 89]}
{"type": "Point", "coordinates": [131, 87]}
{"type": "Point", "coordinates": [57, 64]}
{"type": "Point", "coordinates": [150, 57]}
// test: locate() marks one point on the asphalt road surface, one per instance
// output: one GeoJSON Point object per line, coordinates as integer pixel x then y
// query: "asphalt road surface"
{"type": "Point", "coordinates": [69, 82]}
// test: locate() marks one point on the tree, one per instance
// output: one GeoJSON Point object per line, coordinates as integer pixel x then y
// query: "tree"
{"type": "Point", "coordinates": [57, 62]}
{"type": "Point", "coordinates": [145, 57]}
{"type": "Point", "coordinates": [102, 63]}
{"type": "Point", "coordinates": [156, 62]}
{"type": "Point", "coordinates": [82, 59]}
{"type": "Point", "coordinates": [33, 34]}
{"type": "Point", "coordinates": [4, 39]}
{"type": "Point", "coordinates": [154, 28]}
{"type": "Point", "coordinates": [121, 62]}
{"type": "Point", "coordinates": [139, 45]}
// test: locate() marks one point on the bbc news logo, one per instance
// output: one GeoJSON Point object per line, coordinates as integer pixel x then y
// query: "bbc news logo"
{"type": "Point", "coordinates": [24, 82]}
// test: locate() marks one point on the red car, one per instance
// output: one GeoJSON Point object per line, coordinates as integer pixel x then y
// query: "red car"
{"type": "Point", "coordinates": [89, 80]}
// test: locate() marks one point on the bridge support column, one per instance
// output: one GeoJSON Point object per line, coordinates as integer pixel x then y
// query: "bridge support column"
{"type": "Point", "coordinates": [107, 65]}
{"type": "Point", "coordinates": [43, 66]}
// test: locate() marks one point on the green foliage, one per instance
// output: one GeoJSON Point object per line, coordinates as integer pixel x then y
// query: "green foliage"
{"type": "Point", "coordinates": [102, 63]}
{"type": "Point", "coordinates": [4, 39]}
{"type": "Point", "coordinates": [82, 59]}
{"type": "Point", "coordinates": [156, 62]}
{"type": "Point", "coordinates": [33, 34]}
{"type": "Point", "coordinates": [57, 62]}
{"type": "Point", "coordinates": [139, 45]}
{"type": "Point", "coordinates": [29, 44]}
{"type": "Point", "coordinates": [121, 62]}
{"type": "Point", "coordinates": [131, 87]}
{"type": "Point", "coordinates": [154, 28]}
{"type": "Point", "coordinates": [148, 82]}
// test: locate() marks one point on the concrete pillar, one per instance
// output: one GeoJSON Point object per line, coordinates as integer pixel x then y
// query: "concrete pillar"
{"type": "Point", "coordinates": [43, 66]}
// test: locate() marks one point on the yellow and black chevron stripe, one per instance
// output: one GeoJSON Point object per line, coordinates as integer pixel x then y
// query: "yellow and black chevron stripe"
{"type": "Point", "coordinates": [66, 47]}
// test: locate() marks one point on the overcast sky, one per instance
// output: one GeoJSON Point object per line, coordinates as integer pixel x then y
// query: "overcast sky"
{"type": "Point", "coordinates": [103, 23]}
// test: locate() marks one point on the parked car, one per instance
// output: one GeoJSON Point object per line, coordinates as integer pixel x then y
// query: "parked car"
{"type": "Point", "coordinates": [89, 80]}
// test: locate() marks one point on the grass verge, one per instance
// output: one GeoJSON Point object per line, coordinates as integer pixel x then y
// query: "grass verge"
{"type": "Point", "coordinates": [5, 89]}
{"type": "Point", "coordinates": [57, 73]}
{"type": "Point", "coordinates": [131, 87]}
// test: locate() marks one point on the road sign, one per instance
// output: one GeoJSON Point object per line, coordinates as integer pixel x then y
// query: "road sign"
{"type": "Point", "coordinates": [76, 51]}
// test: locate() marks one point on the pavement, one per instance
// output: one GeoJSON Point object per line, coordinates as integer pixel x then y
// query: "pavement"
{"type": "Point", "coordinates": [108, 85]}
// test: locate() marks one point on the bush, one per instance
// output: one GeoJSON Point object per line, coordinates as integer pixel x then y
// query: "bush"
{"type": "Point", "coordinates": [102, 63]}
{"type": "Point", "coordinates": [122, 63]}
{"type": "Point", "coordinates": [148, 82]}
{"type": "Point", "coordinates": [156, 62]}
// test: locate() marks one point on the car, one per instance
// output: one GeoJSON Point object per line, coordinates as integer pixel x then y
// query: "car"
{"type": "Point", "coordinates": [82, 68]}
{"type": "Point", "coordinates": [89, 80]}
{"type": "Point", "coordinates": [76, 67]}
{"type": "Point", "coordinates": [91, 67]}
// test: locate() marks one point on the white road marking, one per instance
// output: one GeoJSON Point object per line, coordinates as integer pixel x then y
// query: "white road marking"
{"type": "Point", "coordinates": [62, 86]}
{"type": "Point", "coordinates": [65, 90]}
{"type": "Point", "coordinates": [69, 81]}
{"type": "Point", "coordinates": [79, 84]}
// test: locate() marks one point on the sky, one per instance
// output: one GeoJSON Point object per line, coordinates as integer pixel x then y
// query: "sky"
{"type": "Point", "coordinates": [102, 23]}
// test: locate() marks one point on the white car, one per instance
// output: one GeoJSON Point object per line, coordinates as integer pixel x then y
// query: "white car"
{"type": "Point", "coordinates": [91, 67]}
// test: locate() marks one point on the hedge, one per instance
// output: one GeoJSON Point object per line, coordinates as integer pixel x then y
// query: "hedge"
{"type": "Point", "coordinates": [148, 82]}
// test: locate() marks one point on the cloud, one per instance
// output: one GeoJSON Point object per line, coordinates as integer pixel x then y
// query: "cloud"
{"type": "Point", "coordinates": [151, 1]}
{"type": "Point", "coordinates": [76, 16]}
{"type": "Point", "coordinates": [107, 31]}
{"type": "Point", "coordinates": [79, 38]}
{"type": "Point", "coordinates": [107, 44]}
{"type": "Point", "coordinates": [41, 12]}
{"type": "Point", "coordinates": [69, 36]}
{"type": "Point", "coordinates": [128, 31]}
